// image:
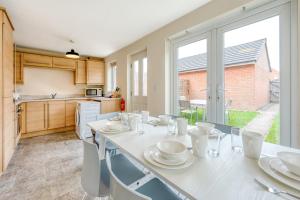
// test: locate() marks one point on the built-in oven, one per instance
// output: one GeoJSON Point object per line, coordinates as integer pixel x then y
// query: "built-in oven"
{"type": "Point", "coordinates": [19, 118]}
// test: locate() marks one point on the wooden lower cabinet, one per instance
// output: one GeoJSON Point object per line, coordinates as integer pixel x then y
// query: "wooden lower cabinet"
{"type": "Point", "coordinates": [111, 105]}
{"type": "Point", "coordinates": [36, 116]}
{"type": "Point", "coordinates": [56, 114]}
{"type": "Point", "coordinates": [8, 129]}
{"type": "Point", "coordinates": [70, 113]}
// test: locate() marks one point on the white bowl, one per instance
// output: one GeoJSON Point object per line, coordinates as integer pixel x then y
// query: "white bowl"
{"type": "Point", "coordinates": [291, 160]}
{"type": "Point", "coordinates": [171, 149]}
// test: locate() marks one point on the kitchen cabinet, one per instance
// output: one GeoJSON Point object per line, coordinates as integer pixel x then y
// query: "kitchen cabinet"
{"type": "Point", "coordinates": [19, 70]}
{"type": "Point", "coordinates": [56, 114]}
{"type": "Point", "coordinates": [95, 72]}
{"type": "Point", "coordinates": [7, 118]}
{"type": "Point", "coordinates": [70, 113]}
{"type": "Point", "coordinates": [36, 116]}
{"type": "Point", "coordinates": [80, 73]}
{"type": "Point", "coordinates": [36, 60]}
{"type": "Point", "coordinates": [111, 105]}
{"type": "Point", "coordinates": [64, 63]}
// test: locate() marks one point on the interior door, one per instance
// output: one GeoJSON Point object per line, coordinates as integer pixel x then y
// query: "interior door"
{"type": "Point", "coordinates": [139, 79]}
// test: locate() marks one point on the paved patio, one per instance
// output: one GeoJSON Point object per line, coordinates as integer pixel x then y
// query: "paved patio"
{"type": "Point", "coordinates": [263, 122]}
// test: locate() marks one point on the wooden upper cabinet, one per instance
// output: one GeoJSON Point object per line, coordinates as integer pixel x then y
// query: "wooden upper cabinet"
{"type": "Point", "coordinates": [35, 60]}
{"type": "Point", "coordinates": [56, 114]}
{"type": "Point", "coordinates": [70, 113]}
{"type": "Point", "coordinates": [7, 58]}
{"type": "Point", "coordinates": [80, 73]}
{"type": "Point", "coordinates": [19, 70]}
{"type": "Point", "coordinates": [64, 63]}
{"type": "Point", "coordinates": [36, 116]}
{"type": "Point", "coordinates": [95, 72]}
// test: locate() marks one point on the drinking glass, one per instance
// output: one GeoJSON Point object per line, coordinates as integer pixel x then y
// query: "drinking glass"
{"type": "Point", "coordinates": [171, 127]}
{"type": "Point", "coordinates": [236, 140]}
{"type": "Point", "coordinates": [214, 142]}
{"type": "Point", "coordinates": [140, 126]}
{"type": "Point", "coordinates": [124, 118]}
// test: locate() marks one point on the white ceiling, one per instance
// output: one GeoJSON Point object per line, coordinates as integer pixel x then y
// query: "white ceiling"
{"type": "Point", "coordinates": [98, 27]}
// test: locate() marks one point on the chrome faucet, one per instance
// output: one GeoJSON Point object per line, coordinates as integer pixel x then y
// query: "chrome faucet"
{"type": "Point", "coordinates": [53, 95]}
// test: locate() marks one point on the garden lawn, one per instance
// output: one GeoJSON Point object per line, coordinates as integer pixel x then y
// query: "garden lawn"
{"type": "Point", "coordinates": [235, 118]}
{"type": "Point", "coordinates": [273, 136]}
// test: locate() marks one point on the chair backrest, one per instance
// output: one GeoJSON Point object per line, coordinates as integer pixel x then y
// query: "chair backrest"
{"type": "Point", "coordinates": [118, 190]}
{"type": "Point", "coordinates": [90, 175]}
{"type": "Point", "coordinates": [183, 104]}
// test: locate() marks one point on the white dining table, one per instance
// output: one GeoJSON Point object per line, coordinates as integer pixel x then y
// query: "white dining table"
{"type": "Point", "coordinates": [227, 177]}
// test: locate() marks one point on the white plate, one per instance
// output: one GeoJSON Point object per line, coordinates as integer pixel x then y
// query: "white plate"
{"type": "Point", "coordinates": [278, 166]}
{"type": "Point", "coordinates": [156, 122]}
{"type": "Point", "coordinates": [264, 164]}
{"type": "Point", "coordinates": [116, 118]}
{"type": "Point", "coordinates": [148, 157]}
{"type": "Point", "coordinates": [158, 158]}
{"type": "Point", "coordinates": [113, 131]}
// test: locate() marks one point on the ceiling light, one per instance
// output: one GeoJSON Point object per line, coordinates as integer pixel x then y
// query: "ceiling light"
{"type": "Point", "coordinates": [72, 54]}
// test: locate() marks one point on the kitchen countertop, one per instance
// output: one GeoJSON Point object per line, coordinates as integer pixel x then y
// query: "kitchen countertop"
{"type": "Point", "coordinates": [29, 98]}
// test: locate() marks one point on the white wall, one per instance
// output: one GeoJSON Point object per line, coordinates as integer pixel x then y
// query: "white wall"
{"type": "Point", "coordinates": [298, 70]}
{"type": "Point", "coordinates": [155, 43]}
{"type": "Point", "coordinates": [40, 81]}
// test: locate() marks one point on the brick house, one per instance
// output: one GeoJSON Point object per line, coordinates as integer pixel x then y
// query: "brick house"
{"type": "Point", "coordinates": [247, 76]}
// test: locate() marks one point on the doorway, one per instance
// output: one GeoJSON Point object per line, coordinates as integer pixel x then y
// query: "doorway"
{"type": "Point", "coordinates": [238, 73]}
{"type": "Point", "coordinates": [138, 81]}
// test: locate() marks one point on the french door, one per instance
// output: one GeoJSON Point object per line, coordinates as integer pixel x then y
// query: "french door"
{"type": "Point", "coordinates": [238, 73]}
{"type": "Point", "coordinates": [139, 74]}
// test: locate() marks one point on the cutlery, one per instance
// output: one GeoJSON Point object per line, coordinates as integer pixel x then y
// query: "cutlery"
{"type": "Point", "coordinates": [274, 190]}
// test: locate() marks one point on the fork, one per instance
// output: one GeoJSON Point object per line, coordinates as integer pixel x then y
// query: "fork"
{"type": "Point", "coordinates": [274, 190]}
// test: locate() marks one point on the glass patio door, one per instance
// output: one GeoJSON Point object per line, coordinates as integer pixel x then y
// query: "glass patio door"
{"type": "Point", "coordinates": [253, 74]}
{"type": "Point", "coordinates": [238, 73]}
{"type": "Point", "coordinates": [192, 91]}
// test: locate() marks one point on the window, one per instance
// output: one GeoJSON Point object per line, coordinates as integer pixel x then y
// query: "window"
{"type": "Point", "coordinates": [145, 68]}
{"type": "Point", "coordinates": [136, 78]}
{"type": "Point", "coordinates": [113, 76]}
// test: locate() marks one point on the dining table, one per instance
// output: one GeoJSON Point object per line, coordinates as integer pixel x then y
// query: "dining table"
{"type": "Point", "coordinates": [230, 176]}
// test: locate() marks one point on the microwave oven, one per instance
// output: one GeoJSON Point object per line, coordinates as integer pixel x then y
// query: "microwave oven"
{"type": "Point", "coordinates": [93, 92]}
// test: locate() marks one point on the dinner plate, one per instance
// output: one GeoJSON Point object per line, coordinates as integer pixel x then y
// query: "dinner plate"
{"type": "Point", "coordinates": [158, 158]}
{"type": "Point", "coordinates": [148, 157]}
{"type": "Point", "coordinates": [264, 164]}
{"type": "Point", "coordinates": [113, 131]}
{"type": "Point", "coordinates": [156, 122]}
{"type": "Point", "coordinates": [278, 166]}
{"type": "Point", "coordinates": [116, 118]}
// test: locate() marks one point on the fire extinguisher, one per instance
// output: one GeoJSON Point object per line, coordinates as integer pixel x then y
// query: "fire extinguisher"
{"type": "Point", "coordinates": [122, 105]}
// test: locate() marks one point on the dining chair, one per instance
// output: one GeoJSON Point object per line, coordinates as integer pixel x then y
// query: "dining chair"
{"type": "Point", "coordinates": [151, 190]}
{"type": "Point", "coordinates": [95, 176]}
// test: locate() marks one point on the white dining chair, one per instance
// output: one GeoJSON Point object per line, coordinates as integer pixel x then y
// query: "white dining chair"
{"type": "Point", "coordinates": [118, 190]}
{"type": "Point", "coordinates": [94, 180]}
{"type": "Point", "coordinates": [154, 189]}
{"type": "Point", "coordinates": [95, 176]}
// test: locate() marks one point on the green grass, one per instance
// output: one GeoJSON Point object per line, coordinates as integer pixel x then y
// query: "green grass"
{"type": "Point", "coordinates": [240, 118]}
{"type": "Point", "coordinates": [236, 118]}
{"type": "Point", "coordinates": [273, 136]}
